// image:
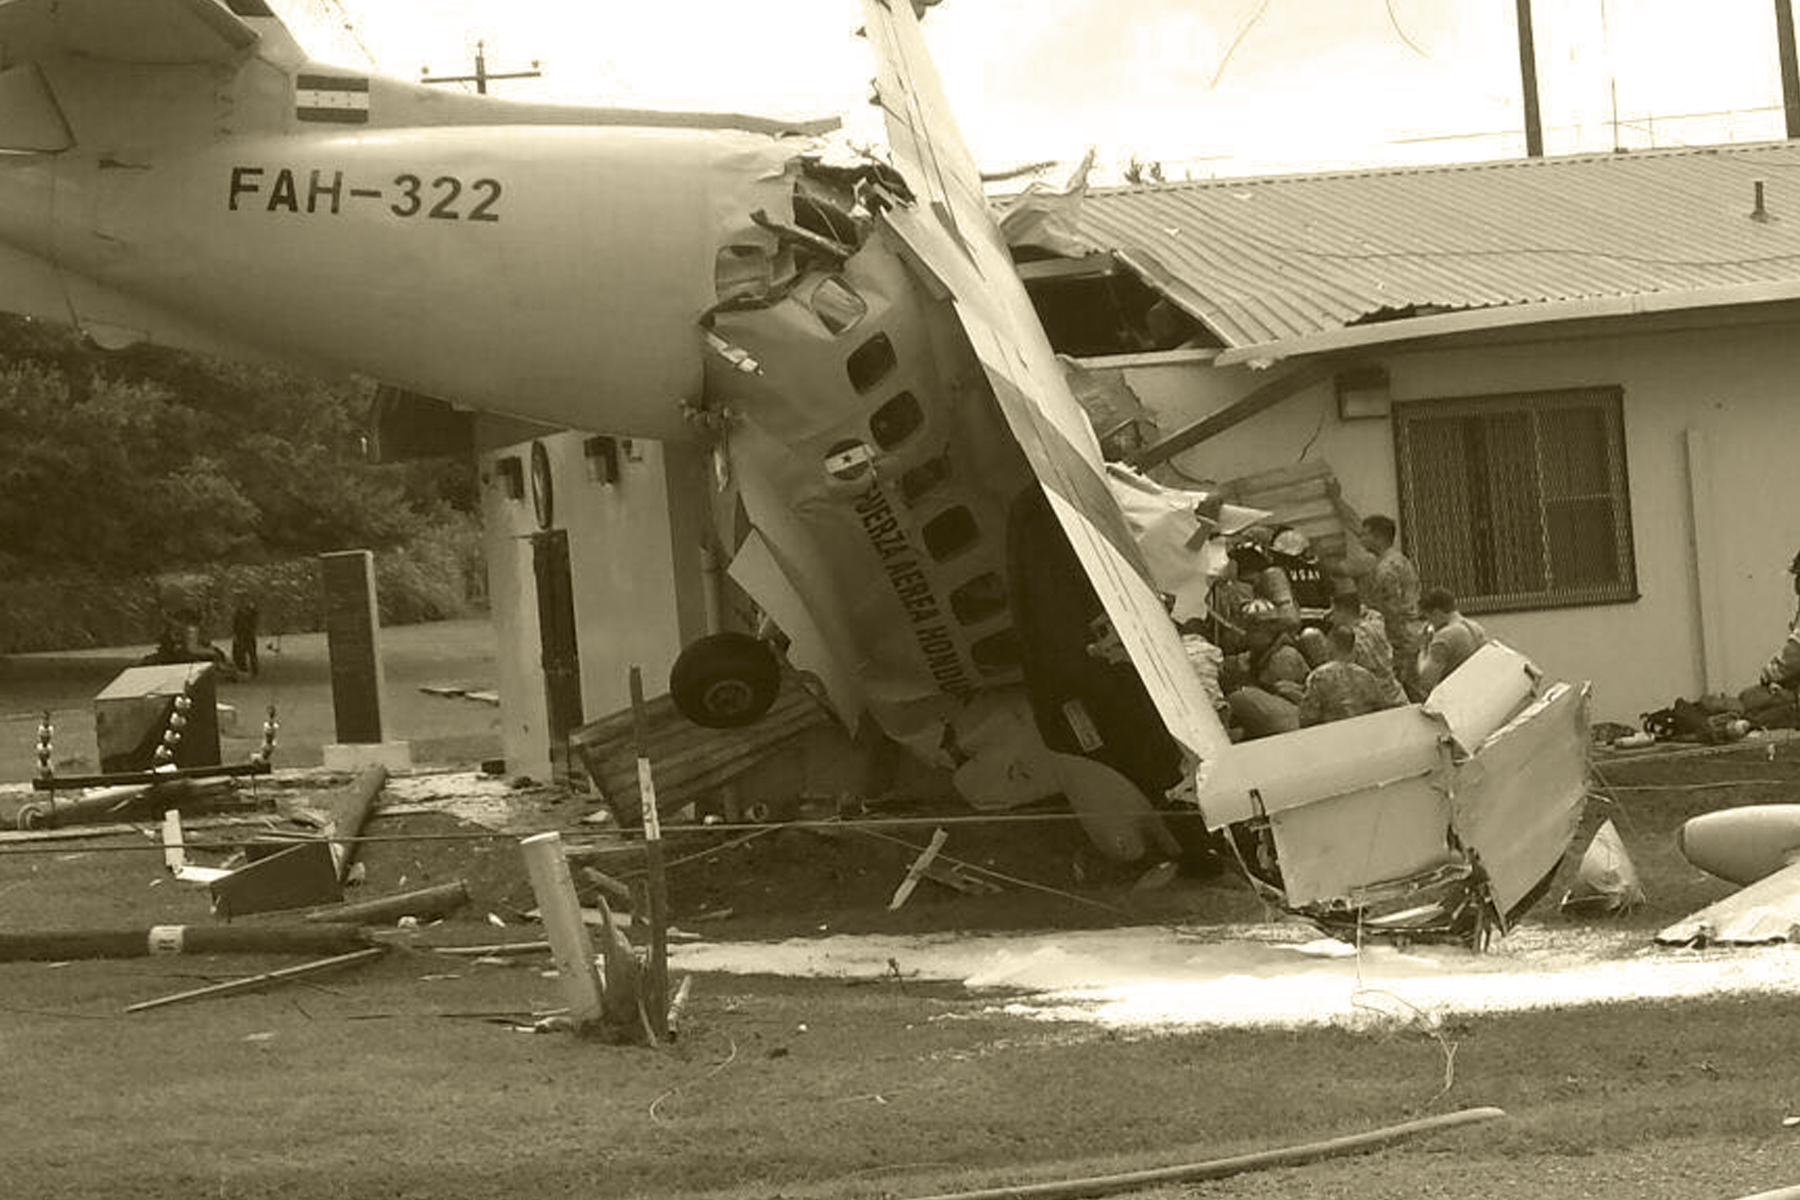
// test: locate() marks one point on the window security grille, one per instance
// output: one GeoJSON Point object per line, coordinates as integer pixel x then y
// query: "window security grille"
{"type": "Point", "coordinates": [1518, 501]}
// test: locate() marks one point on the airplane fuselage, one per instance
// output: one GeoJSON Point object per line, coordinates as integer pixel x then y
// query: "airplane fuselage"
{"type": "Point", "coordinates": [551, 272]}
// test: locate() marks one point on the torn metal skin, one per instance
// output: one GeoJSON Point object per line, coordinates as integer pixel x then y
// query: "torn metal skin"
{"type": "Point", "coordinates": [870, 488]}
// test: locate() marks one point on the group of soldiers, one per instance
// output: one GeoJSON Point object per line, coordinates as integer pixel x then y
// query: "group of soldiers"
{"type": "Point", "coordinates": [1299, 645]}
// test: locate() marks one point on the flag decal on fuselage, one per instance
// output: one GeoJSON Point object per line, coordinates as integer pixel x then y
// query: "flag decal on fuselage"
{"type": "Point", "coordinates": [340, 99]}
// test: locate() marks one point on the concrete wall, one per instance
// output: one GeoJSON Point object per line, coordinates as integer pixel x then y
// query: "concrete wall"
{"type": "Point", "coordinates": [634, 559]}
{"type": "Point", "coordinates": [1712, 432]}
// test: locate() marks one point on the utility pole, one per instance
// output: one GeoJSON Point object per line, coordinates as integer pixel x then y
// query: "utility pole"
{"type": "Point", "coordinates": [482, 74]}
{"type": "Point", "coordinates": [1790, 72]}
{"type": "Point", "coordinates": [1534, 128]}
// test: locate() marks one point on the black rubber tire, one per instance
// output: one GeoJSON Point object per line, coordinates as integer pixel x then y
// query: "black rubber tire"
{"type": "Point", "coordinates": [725, 681]}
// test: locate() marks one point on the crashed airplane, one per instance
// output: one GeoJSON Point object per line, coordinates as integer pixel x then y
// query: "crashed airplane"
{"type": "Point", "coordinates": [905, 484]}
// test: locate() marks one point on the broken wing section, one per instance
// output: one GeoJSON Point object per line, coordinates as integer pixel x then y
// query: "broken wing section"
{"type": "Point", "coordinates": [1433, 821]}
{"type": "Point", "coordinates": [1766, 911]}
{"type": "Point", "coordinates": [955, 242]}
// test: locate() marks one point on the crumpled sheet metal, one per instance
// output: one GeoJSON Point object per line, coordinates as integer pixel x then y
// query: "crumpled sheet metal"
{"type": "Point", "coordinates": [1766, 911]}
{"type": "Point", "coordinates": [1376, 799]}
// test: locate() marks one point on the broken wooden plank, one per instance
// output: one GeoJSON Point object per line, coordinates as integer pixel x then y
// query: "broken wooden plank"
{"type": "Point", "coordinates": [423, 903]}
{"type": "Point", "coordinates": [953, 875]}
{"type": "Point", "coordinates": [917, 871]}
{"type": "Point", "coordinates": [235, 986]}
{"type": "Point", "coordinates": [616, 888]}
{"type": "Point", "coordinates": [691, 760]}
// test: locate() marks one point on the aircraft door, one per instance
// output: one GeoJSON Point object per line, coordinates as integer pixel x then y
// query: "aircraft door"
{"type": "Point", "coordinates": [561, 659]}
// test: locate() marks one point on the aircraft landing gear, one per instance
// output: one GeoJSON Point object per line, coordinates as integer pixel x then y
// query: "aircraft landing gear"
{"type": "Point", "coordinates": [725, 680]}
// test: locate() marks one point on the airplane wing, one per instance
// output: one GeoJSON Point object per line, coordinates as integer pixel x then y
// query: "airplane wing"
{"type": "Point", "coordinates": [128, 31]}
{"type": "Point", "coordinates": [1766, 911]}
{"type": "Point", "coordinates": [955, 241]}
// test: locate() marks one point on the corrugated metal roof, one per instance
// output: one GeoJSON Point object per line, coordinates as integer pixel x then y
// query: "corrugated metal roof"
{"type": "Point", "coordinates": [1265, 260]}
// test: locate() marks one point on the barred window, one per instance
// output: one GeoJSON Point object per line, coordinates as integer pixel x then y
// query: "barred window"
{"type": "Point", "coordinates": [1518, 501]}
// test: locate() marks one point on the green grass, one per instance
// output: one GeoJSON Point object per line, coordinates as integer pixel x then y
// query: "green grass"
{"type": "Point", "coordinates": [354, 1088]}
{"type": "Point", "coordinates": [358, 1085]}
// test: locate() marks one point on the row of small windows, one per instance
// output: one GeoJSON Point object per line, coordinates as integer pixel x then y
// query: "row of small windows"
{"type": "Point", "coordinates": [949, 533]}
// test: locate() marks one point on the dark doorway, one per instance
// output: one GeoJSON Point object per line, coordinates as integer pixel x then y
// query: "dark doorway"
{"type": "Point", "coordinates": [556, 631]}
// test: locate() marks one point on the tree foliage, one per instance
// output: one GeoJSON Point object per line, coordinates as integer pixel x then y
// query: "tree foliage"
{"type": "Point", "coordinates": [148, 460]}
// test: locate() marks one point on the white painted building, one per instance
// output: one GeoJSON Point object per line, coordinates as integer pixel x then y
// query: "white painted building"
{"type": "Point", "coordinates": [595, 564]}
{"type": "Point", "coordinates": [1572, 382]}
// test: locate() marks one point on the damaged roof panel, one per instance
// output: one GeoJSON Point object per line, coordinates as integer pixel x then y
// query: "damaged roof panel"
{"type": "Point", "coordinates": [1264, 260]}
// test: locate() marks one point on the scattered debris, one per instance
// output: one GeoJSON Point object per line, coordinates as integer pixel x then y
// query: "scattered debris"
{"type": "Point", "coordinates": [917, 871]}
{"type": "Point", "coordinates": [421, 903]}
{"type": "Point", "coordinates": [615, 888]}
{"type": "Point", "coordinates": [1607, 881]}
{"type": "Point", "coordinates": [188, 795]}
{"type": "Point", "coordinates": [175, 854]}
{"type": "Point", "coordinates": [493, 950]}
{"type": "Point", "coordinates": [342, 813]}
{"type": "Point", "coordinates": [678, 1005]}
{"type": "Point", "coordinates": [253, 982]}
{"type": "Point", "coordinates": [278, 875]}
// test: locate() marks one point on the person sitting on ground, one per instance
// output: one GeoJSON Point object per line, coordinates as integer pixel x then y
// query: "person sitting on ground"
{"type": "Point", "coordinates": [1265, 684]}
{"type": "Point", "coordinates": [1340, 689]}
{"type": "Point", "coordinates": [1770, 703]}
{"type": "Point", "coordinates": [1783, 668]}
{"type": "Point", "coordinates": [1454, 638]}
{"type": "Point", "coordinates": [1373, 654]}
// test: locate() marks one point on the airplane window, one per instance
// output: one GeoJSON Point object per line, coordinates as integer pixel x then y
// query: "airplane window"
{"type": "Point", "coordinates": [870, 362]}
{"type": "Point", "coordinates": [982, 597]}
{"type": "Point", "coordinates": [950, 533]}
{"type": "Point", "coordinates": [997, 652]}
{"type": "Point", "coordinates": [924, 477]}
{"type": "Point", "coordinates": [896, 421]}
{"type": "Point", "coordinates": [837, 307]}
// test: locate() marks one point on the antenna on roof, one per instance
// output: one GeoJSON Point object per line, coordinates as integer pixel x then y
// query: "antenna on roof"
{"type": "Point", "coordinates": [1534, 128]}
{"type": "Point", "coordinates": [1790, 72]}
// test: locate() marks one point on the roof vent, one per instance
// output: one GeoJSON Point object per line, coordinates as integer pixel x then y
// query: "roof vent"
{"type": "Point", "coordinates": [1759, 212]}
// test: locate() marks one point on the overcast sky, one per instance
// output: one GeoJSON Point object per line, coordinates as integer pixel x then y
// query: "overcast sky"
{"type": "Point", "coordinates": [1209, 87]}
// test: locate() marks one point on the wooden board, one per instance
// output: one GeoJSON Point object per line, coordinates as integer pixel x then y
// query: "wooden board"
{"type": "Point", "coordinates": [1307, 496]}
{"type": "Point", "coordinates": [689, 760]}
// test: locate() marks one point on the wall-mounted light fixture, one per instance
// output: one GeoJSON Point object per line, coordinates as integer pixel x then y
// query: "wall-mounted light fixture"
{"type": "Point", "coordinates": [1362, 392]}
{"type": "Point", "coordinates": [602, 459]}
{"type": "Point", "coordinates": [510, 472]}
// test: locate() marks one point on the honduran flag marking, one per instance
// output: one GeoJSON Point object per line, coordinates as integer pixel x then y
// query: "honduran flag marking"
{"type": "Point", "coordinates": [331, 98]}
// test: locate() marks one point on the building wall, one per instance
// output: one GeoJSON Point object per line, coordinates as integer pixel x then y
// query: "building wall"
{"type": "Point", "coordinates": [634, 560]}
{"type": "Point", "coordinates": [1712, 435]}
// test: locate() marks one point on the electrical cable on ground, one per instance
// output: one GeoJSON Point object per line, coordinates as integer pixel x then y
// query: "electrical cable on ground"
{"type": "Point", "coordinates": [1220, 1168]}
{"type": "Point", "coordinates": [748, 828]}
